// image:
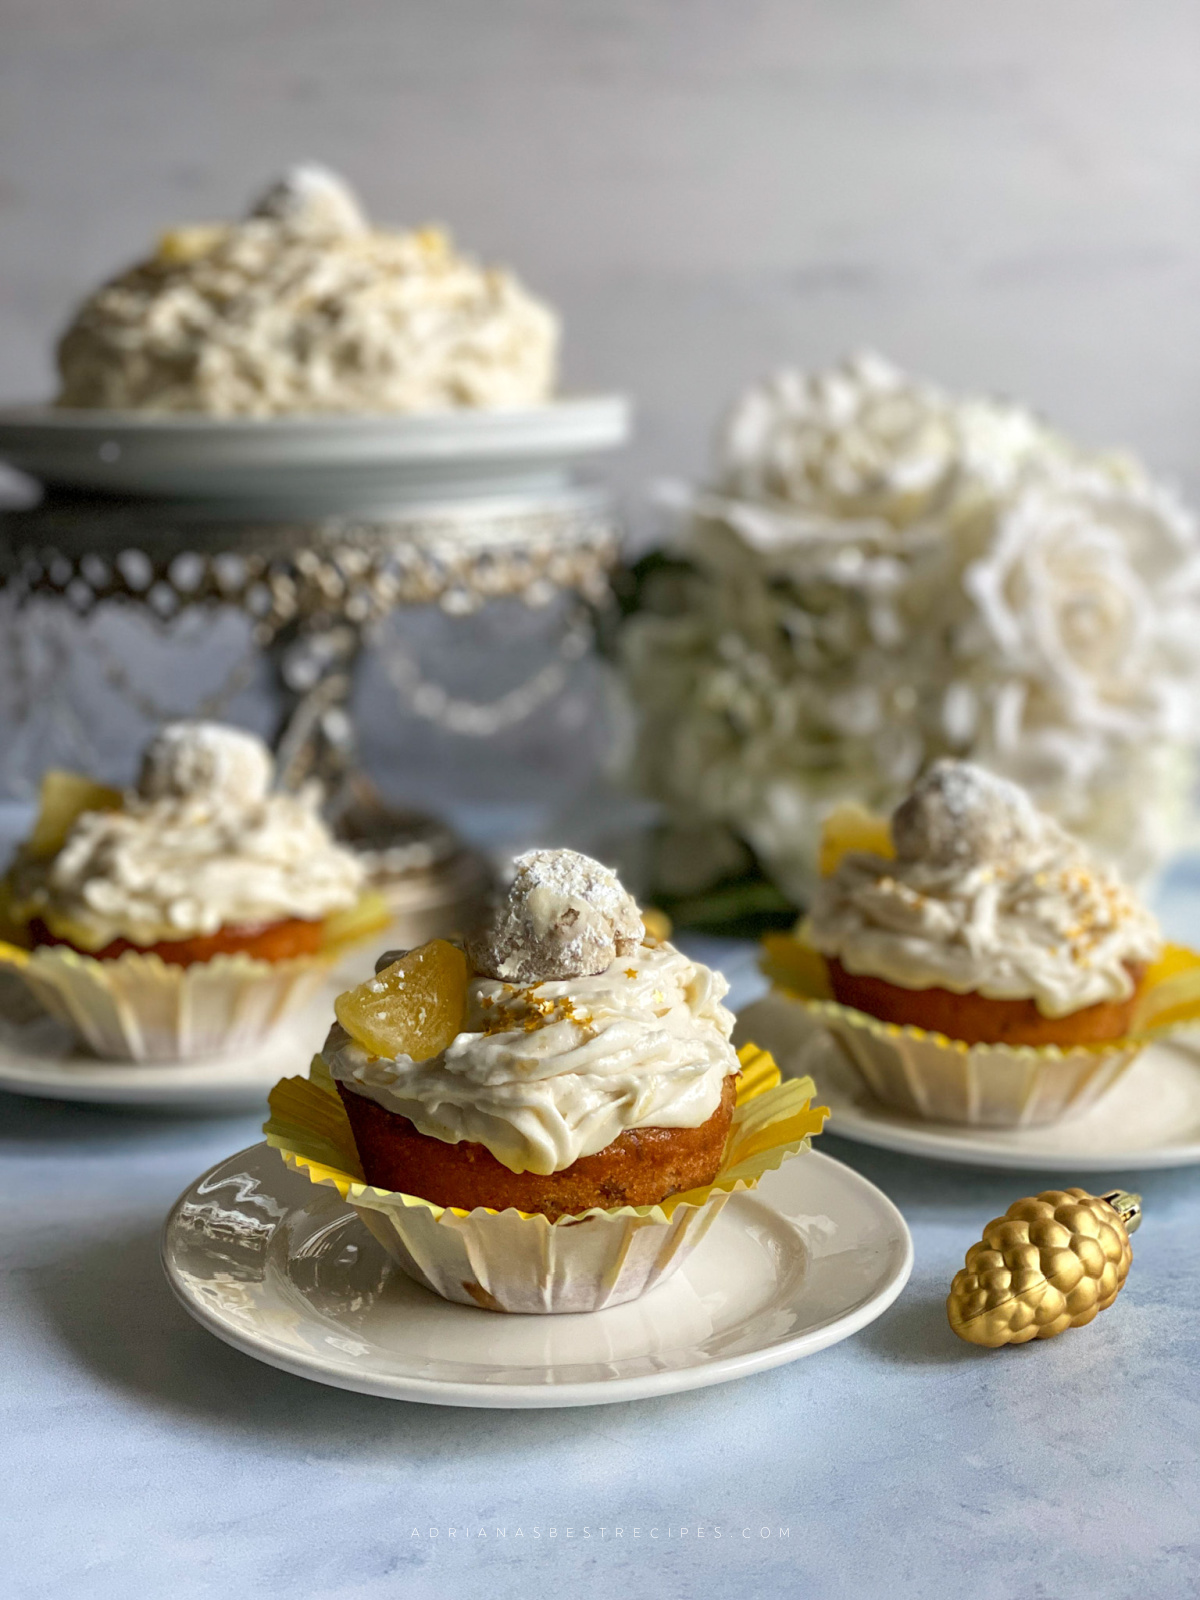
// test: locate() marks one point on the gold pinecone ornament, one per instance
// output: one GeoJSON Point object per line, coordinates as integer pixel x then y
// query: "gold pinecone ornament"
{"type": "Point", "coordinates": [1050, 1263]}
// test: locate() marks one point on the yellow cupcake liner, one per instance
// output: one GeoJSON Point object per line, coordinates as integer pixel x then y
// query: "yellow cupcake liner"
{"type": "Point", "coordinates": [513, 1261]}
{"type": "Point", "coordinates": [140, 1008]}
{"type": "Point", "coordinates": [983, 1085]}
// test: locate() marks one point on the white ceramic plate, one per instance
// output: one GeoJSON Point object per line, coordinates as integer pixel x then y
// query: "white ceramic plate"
{"type": "Point", "coordinates": [286, 1272]}
{"type": "Point", "coordinates": [1151, 1118]}
{"type": "Point", "coordinates": [334, 463]}
{"type": "Point", "coordinates": [43, 1060]}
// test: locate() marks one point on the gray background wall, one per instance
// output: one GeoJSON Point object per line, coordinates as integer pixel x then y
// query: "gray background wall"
{"type": "Point", "coordinates": [1002, 196]}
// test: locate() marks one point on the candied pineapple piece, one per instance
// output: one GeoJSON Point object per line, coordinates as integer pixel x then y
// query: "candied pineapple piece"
{"type": "Point", "coordinates": [178, 246]}
{"type": "Point", "coordinates": [850, 826]}
{"type": "Point", "coordinates": [793, 963]}
{"type": "Point", "coordinates": [1170, 994]}
{"type": "Point", "coordinates": [434, 241]}
{"type": "Point", "coordinates": [412, 1008]}
{"type": "Point", "coordinates": [369, 913]}
{"type": "Point", "coordinates": [65, 796]}
{"type": "Point", "coordinates": [14, 928]}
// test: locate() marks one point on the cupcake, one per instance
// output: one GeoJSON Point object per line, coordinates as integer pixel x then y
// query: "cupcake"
{"type": "Point", "coordinates": [303, 307]}
{"type": "Point", "coordinates": [589, 1064]}
{"type": "Point", "coordinates": [986, 923]}
{"type": "Point", "coordinates": [983, 967]}
{"type": "Point", "coordinates": [549, 1117]}
{"type": "Point", "coordinates": [185, 917]}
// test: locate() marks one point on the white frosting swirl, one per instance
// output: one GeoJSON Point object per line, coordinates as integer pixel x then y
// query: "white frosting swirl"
{"type": "Point", "coordinates": [545, 1075]}
{"type": "Point", "coordinates": [302, 307]}
{"type": "Point", "coordinates": [201, 845]}
{"type": "Point", "coordinates": [987, 896]}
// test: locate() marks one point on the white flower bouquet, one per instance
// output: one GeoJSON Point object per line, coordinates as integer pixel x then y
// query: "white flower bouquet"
{"type": "Point", "coordinates": [881, 574]}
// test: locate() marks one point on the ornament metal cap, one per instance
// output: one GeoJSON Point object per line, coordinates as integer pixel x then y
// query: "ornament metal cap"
{"type": "Point", "coordinates": [1127, 1206]}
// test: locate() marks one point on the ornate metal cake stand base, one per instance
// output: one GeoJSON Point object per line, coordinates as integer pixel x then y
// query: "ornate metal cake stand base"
{"type": "Point", "coordinates": [308, 597]}
{"type": "Point", "coordinates": [433, 883]}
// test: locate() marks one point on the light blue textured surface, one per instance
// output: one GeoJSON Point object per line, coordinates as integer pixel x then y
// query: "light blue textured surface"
{"type": "Point", "coordinates": [144, 1458]}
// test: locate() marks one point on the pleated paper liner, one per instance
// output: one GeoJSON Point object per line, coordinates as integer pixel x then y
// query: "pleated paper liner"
{"type": "Point", "coordinates": [140, 1008]}
{"type": "Point", "coordinates": [513, 1261]}
{"type": "Point", "coordinates": [983, 1085]}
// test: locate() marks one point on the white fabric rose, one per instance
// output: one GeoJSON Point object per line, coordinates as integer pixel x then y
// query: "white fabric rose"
{"type": "Point", "coordinates": [1089, 593]}
{"type": "Point", "coordinates": [883, 575]}
{"type": "Point", "coordinates": [863, 441]}
{"type": "Point", "coordinates": [858, 441]}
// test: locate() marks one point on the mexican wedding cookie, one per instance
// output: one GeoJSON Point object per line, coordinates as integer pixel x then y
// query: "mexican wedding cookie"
{"type": "Point", "coordinates": [303, 307]}
{"type": "Point", "coordinates": [566, 1060]}
{"type": "Point", "coordinates": [184, 917]}
{"type": "Point", "coordinates": [984, 922]}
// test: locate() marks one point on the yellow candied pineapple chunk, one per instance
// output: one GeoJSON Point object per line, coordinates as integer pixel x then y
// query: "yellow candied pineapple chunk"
{"type": "Point", "coordinates": [412, 1008]}
{"type": "Point", "coordinates": [64, 797]}
{"type": "Point", "coordinates": [180, 245]}
{"type": "Point", "coordinates": [369, 914]}
{"type": "Point", "coordinates": [793, 963]}
{"type": "Point", "coordinates": [850, 826]}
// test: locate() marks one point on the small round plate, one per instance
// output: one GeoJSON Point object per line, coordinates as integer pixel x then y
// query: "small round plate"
{"type": "Point", "coordinates": [334, 463]}
{"type": "Point", "coordinates": [285, 1271]}
{"type": "Point", "coordinates": [43, 1058]}
{"type": "Point", "coordinates": [1150, 1118]}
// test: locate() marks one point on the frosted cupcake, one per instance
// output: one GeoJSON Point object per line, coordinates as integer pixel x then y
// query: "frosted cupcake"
{"type": "Point", "coordinates": [589, 1064]}
{"type": "Point", "coordinates": [986, 922]}
{"type": "Point", "coordinates": [185, 917]}
{"type": "Point", "coordinates": [303, 307]}
{"type": "Point", "coordinates": [550, 1118]}
{"type": "Point", "coordinates": [981, 966]}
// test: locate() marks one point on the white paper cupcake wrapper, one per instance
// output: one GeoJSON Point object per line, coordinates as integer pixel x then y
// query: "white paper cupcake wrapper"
{"type": "Point", "coordinates": [980, 1085]}
{"type": "Point", "coordinates": [511, 1261]}
{"type": "Point", "coordinates": [506, 1261]}
{"type": "Point", "coordinates": [138, 1008]}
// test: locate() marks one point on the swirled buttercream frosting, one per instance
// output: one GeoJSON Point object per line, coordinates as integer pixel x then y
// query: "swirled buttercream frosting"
{"type": "Point", "coordinates": [543, 1074]}
{"type": "Point", "coordinates": [201, 844]}
{"type": "Point", "coordinates": [986, 895]}
{"type": "Point", "coordinates": [303, 307]}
